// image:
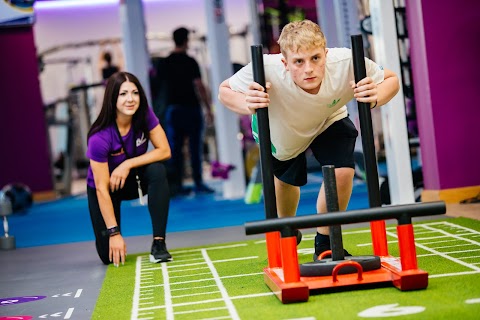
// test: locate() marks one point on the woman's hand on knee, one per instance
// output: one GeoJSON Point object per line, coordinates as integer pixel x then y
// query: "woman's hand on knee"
{"type": "Point", "coordinates": [119, 176]}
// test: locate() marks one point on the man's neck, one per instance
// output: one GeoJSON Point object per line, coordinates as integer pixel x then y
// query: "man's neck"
{"type": "Point", "coordinates": [182, 49]}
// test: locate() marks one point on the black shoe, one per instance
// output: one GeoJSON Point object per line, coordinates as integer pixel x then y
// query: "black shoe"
{"type": "Point", "coordinates": [202, 188]}
{"type": "Point", "coordinates": [159, 252]}
{"type": "Point", "coordinates": [320, 248]}
{"type": "Point", "coordinates": [298, 234]}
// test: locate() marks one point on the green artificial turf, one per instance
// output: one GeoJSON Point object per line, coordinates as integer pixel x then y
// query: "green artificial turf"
{"type": "Point", "coordinates": [225, 281]}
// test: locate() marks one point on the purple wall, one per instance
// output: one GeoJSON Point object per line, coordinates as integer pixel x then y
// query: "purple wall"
{"type": "Point", "coordinates": [25, 154]}
{"type": "Point", "coordinates": [445, 51]}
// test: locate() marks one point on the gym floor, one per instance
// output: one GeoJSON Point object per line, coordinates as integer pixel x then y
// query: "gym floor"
{"type": "Point", "coordinates": [70, 275]}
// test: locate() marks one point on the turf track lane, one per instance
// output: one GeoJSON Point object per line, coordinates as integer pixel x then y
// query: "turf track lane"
{"type": "Point", "coordinates": [196, 260]}
{"type": "Point", "coordinates": [454, 233]}
{"type": "Point", "coordinates": [448, 232]}
{"type": "Point", "coordinates": [231, 308]}
{"type": "Point", "coordinates": [168, 291]}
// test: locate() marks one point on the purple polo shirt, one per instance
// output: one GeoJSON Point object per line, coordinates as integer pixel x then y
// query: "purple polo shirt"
{"type": "Point", "coordinates": [105, 146]}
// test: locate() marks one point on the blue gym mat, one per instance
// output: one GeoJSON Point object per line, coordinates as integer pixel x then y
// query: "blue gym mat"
{"type": "Point", "coordinates": [68, 220]}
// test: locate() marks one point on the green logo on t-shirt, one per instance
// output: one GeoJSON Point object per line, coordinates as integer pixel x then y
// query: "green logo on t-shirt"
{"type": "Point", "coordinates": [333, 104]}
{"type": "Point", "coordinates": [255, 132]}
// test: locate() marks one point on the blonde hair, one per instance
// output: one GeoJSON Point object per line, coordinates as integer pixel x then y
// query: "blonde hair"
{"type": "Point", "coordinates": [298, 35]}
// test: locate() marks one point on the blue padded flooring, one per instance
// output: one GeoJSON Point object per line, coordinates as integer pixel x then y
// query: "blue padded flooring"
{"type": "Point", "coordinates": [67, 220]}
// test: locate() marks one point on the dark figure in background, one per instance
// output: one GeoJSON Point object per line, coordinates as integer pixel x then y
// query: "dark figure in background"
{"type": "Point", "coordinates": [184, 117]}
{"type": "Point", "coordinates": [109, 68]}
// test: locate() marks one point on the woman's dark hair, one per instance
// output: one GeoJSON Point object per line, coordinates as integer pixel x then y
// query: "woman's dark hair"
{"type": "Point", "coordinates": [108, 113]}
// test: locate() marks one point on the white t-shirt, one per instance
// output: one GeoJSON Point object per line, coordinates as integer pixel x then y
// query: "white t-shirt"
{"type": "Point", "coordinates": [297, 117]}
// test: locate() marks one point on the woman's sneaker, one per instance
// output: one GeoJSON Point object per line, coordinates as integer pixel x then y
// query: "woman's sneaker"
{"type": "Point", "coordinates": [159, 252]}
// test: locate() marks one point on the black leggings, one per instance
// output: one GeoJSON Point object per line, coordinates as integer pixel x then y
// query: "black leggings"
{"type": "Point", "coordinates": [153, 178]}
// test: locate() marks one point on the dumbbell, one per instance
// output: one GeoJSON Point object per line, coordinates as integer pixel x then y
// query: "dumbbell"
{"type": "Point", "coordinates": [7, 242]}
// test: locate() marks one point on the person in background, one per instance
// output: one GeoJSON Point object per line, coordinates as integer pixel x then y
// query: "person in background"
{"type": "Point", "coordinates": [184, 117]}
{"type": "Point", "coordinates": [109, 68]}
{"type": "Point", "coordinates": [121, 168]}
{"type": "Point", "coordinates": [308, 88]}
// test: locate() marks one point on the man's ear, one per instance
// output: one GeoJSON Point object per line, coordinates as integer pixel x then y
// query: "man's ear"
{"type": "Point", "coordinates": [326, 51]}
{"type": "Point", "coordinates": [285, 63]}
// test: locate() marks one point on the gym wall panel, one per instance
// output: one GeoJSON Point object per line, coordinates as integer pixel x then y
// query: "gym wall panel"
{"type": "Point", "coordinates": [24, 155]}
{"type": "Point", "coordinates": [71, 25]}
{"type": "Point", "coordinates": [444, 51]}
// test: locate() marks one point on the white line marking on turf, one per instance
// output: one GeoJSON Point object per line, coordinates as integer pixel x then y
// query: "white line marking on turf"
{"type": "Point", "coordinates": [211, 279]}
{"type": "Point", "coordinates": [452, 274]}
{"type": "Point", "coordinates": [461, 251]}
{"type": "Point", "coordinates": [426, 255]}
{"type": "Point", "coordinates": [199, 250]}
{"type": "Point", "coordinates": [356, 232]}
{"type": "Point", "coordinates": [178, 261]}
{"type": "Point", "coordinates": [78, 294]}
{"type": "Point", "coordinates": [445, 254]}
{"type": "Point", "coordinates": [472, 301]}
{"type": "Point", "coordinates": [369, 243]}
{"type": "Point", "coordinates": [168, 294]}
{"type": "Point", "coordinates": [422, 232]}
{"type": "Point", "coordinates": [202, 310]}
{"type": "Point", "coordinates": [69, 313]}
{"type": "Point", "coordinates": [190, 275]}
{"type": "Point", "coordinates": [183, 304]}
{"type": "Point", "coordinates": [136, 290]}
{"type": "Point", "coordinates": [223, 291]}
{"type": "Point", "coordinates": [249, 296]}
{"type": "Point", "coordinates": [448, 257]}
{"type": "Point", "coordinates": [192, 288]}
{"type": "Point", "coordinates": [236, 259]}
{"type": "Point", "coordinates": [187, 269]}
{"type": "Point", "coordinates": [448, 236]}
{"type": "Point", "coordinates": [441, 241]}
{"type": "Point", "coordinates": [450, 246]}
{"type": "Point", "coordinates": [216, 261]}
{"type": "Point", "coordinates": [195, 294]}
{"type": "Point", "coordinates": [456, 226]}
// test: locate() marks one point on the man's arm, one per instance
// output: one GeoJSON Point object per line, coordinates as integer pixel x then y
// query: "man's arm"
{"type": "Point", "coordinates": [388, 88]}
{"type": "Point", "coordinates": [204, 97]}
{"type": "Point", "coordinates": [203, 93]}
{"type": "Point", "coordinates": [244, 103]}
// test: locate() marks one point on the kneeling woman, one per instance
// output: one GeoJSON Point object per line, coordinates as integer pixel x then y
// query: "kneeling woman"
{"type": "Point", "coordinates": [122, 169]}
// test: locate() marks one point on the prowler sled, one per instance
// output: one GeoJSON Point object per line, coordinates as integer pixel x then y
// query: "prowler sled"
{"type": "Point", "coordinates": [292, 282]}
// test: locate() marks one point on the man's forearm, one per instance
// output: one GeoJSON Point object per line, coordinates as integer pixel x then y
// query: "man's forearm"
{"type": "Point", "coordinates": [233, 100]}
{"type": "Point", "coordinates": [387, 89]}
{"type": "Point", "coordinates": [203, 94]}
